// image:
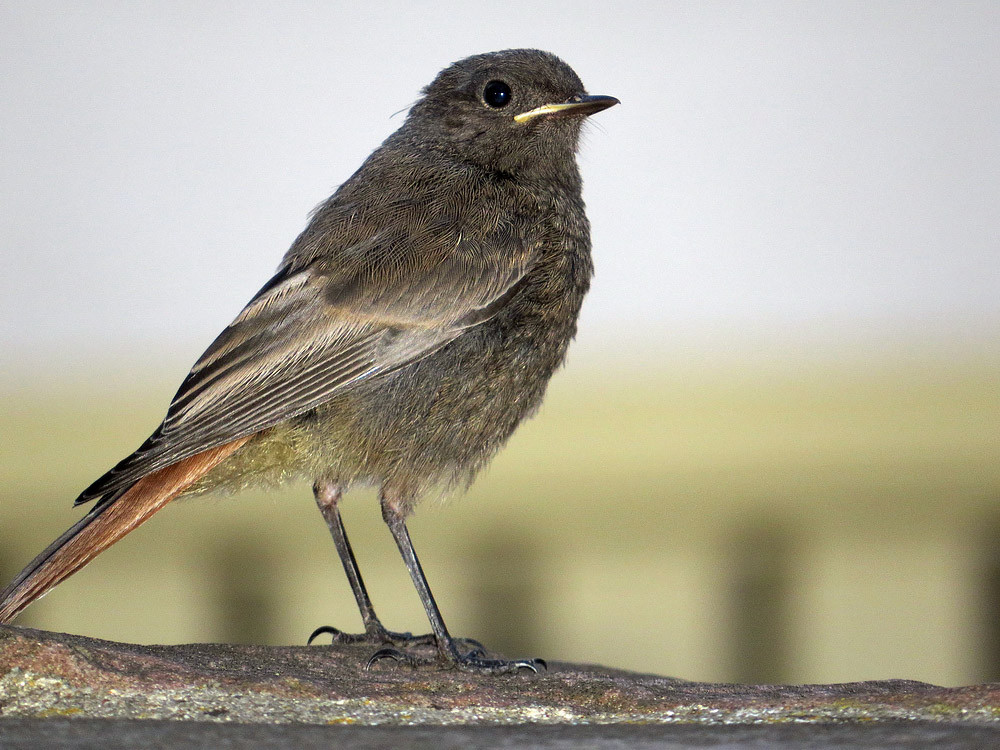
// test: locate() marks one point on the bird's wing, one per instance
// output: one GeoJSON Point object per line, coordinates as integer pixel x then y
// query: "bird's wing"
{"type": "Point", "coordinates": [312, 331]}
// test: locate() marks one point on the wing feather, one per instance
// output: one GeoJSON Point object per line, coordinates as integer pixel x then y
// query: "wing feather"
{"type": "Point", "coordinates": [316, 329]}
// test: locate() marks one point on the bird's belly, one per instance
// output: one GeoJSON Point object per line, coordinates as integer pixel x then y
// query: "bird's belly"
{"type": "Point", "coordinates": [440, 419]}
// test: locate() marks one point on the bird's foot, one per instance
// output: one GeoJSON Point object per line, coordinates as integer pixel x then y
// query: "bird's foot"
{"type": "Point", "coordinates": [473, 660]}
{"type": "Point", "coordinates": [380, 636]}
{"type": "Point", "coordinates": [375, 636]}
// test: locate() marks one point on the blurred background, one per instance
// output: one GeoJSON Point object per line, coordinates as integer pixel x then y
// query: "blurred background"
{"type": "Point", "coordinates": [773, 455]}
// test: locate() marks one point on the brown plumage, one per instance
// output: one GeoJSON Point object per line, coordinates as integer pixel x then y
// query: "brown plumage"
{"type": "Point", "coordinates": [409, 329]}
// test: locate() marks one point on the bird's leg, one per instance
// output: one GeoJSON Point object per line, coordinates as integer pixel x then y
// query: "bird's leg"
{"type": "Point", "coordinates": [328, 500]}
{"type": "Point", "coordinates": [448, 651]}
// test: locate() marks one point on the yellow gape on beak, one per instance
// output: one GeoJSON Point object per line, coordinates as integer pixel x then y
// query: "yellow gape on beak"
{"type": "Point", "coordinates": [578, 105]}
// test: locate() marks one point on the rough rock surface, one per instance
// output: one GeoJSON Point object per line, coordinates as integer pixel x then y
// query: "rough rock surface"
{"type": "Point", "coordinates": [48, 675]}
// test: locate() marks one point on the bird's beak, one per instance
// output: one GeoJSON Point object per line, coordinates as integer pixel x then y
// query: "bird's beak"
{"type": "Point", "coordinates": [577, 106]}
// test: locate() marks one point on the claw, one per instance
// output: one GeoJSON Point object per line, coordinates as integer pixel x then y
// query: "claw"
{"type": "Point", "coordinates": [533, 665]}
{"type": "Point", "coordinates": [323, 630]}
{"type": "Point", "coordinates": [386, 653]}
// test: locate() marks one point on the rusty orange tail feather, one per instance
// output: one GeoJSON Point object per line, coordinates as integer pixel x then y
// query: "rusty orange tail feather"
{"type": "Point", "coordinates": [105, 525]}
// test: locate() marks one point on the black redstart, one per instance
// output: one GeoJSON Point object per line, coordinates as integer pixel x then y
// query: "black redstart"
{"type": "Point", "coordinates": [409, 329]}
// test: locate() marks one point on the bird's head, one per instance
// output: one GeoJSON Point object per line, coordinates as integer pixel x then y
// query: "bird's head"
{"type": "Point", "coordinates": [514, 111]}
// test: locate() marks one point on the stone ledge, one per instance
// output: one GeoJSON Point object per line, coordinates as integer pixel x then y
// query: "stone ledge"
{"type": "Point", "coordinates": [128, 734]}
{"type": "Point", "coordinates": [48, 675]}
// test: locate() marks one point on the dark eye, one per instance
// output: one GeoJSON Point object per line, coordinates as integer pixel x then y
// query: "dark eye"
{"type": "Point", "coordinates": [496, 94]}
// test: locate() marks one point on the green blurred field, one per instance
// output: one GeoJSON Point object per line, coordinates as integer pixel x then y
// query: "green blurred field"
{"type": "Point", "coordinates": [824, 522]}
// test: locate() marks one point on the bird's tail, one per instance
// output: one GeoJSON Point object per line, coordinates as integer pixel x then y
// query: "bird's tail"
{"type": "Point", "coordinates": [110, 520]}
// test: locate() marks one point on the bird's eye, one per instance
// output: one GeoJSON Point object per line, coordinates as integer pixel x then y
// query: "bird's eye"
{"type": "Point", "coordinates": [497, 94]}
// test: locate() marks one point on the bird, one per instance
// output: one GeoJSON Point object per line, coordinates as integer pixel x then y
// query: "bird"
{"type": "Point", "coordinates": [408, 330]}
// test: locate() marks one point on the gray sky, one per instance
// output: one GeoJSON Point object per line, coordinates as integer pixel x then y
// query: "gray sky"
{"type": "Point", "coordinates": [778, 174]}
